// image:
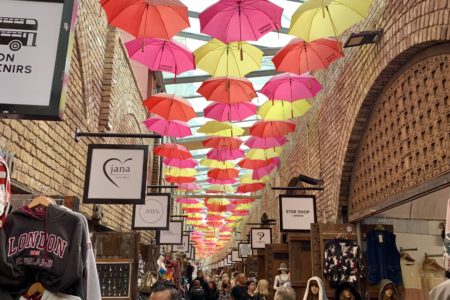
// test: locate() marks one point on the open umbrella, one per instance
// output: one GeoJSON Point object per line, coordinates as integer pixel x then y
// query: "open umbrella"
{"type": "Point", "coordinates": [230, 112]}
{"type": "Point", "coordinates": [263, 171]}
{"type": "Point", "coordinates": [291, 87]}
{"type": "Point", "coordinates": [170, 107]}
{"type": "Point", "coordinates": [193, 210]}
{"type": "Point", "coordinates": [172, 151]}
{"type": "Point", "coordinates": [161, 55]}
{"type": "Point", "coordinates": [225, 154]}
{"type": "Point", "coordinates": [253, 164]}
{"type": "Point", "coordinates": [180, 163]}
{"type": "Point", "coordinates": [215, 164]}
{"type": "Point", "coordinates": [189, 187]}
{"type": "Point", "coordinates": [187, 201]}
{"type": "Point", "coordinates": [222, 143]}
{"type": "Point", "coordinates": [272, 128]}
{"type": "Point", "coordinates": [147, 18]}
{"type": "Point", "coordinates": [227, 90]}
{"type": "Point", "coordinates": [250, 187]}
{"type": "Point", "coordinates": [220, 129]}
{"type": "Point", "coordinates": [324, 18]}
{"type": "Point", "coordinates": [243, 201]}
{"type": "Point", "coordinates": [180, 179]}
{"type": "Point", "coordinates": [273, 110]}
{"type": "Point", "coordinates": [171, 171]}
{"type": "Point", "coordinates": [264, 153]}
{"type": "Point", "coordinates": [233, 59]}
{"type": "Point", "coordinates": [164, 127]}
{"type": "Point", "coordinates": [223, 174]}
{"type": "Point", "coordinates": [265, 143]}
{"type": "Point", "coordinates": [216, 188]}
{"type": "Point", "coordinates": [244, 20]}
{"type": "Point", "coordinates": [300, 57]}
{"type": "Point", "coordinates": [221, 181]}
{"type": "Point", "coordinates": [247, 179]}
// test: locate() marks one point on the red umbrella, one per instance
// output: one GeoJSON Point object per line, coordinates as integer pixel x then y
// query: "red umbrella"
{"type": "Point", "coordinates": [221, 181]}
{"type": "Point", "coordinates": [253, 164]}
{"type": "Point", "coordinates": [170, 107]}
{"type": "Point", "coordinates": [300, 57]}
{"type": "Point", "coordinates": [223, 174]}
{"type": "Point", "coordinates": [243, 201]}
{"type": "Point", "coordinates": [147, 18]}
{"type": "Point", "coordinates": [227, 90]}
{"type": "Point", "coordinates": [180, 179]}
{"type": "Point", "coordinates": [193, 210]}
{"type": "Point", "coordinates": [255, 142]}
{"type": "Point", "coordinates": [172, 151]}
{"type": "Point", "coordinates": [272, 128]}
{"type": "Point", "coordinates": [241, 212]}
{"type": "Point", "coordinates": [251, 187]}
{"type": "Point", "coordinates": [222, 143]}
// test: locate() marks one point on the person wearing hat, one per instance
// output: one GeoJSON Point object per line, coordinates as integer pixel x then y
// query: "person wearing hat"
{"type": "Point", "coordinates": [283, 279]}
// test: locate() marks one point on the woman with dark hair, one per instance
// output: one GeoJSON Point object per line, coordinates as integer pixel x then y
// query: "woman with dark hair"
{"type": "Point", "coordinates": [251, 295]}
{"type": "Point", "coordinates": [315, 290]}
{"type": "Point", "coordinates": [224, 293]}
{"type": "Point", "coordinates": [213, 291]}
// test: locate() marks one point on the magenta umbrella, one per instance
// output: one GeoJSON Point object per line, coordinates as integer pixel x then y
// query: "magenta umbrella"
{"type": "Point", "coordinates": [161, 55]}
{"type": "Point", "coordinates": [230, 112]}
{"type": "Point", "coordinates": [225, 154]}
{"type": "Point", "coordinates": [255, 142]}
{"type": "Point", "coordinates": [291, 87]}
{"type": "Point", "coordinates": [221, 181]}
{"type": "Point", "coordinates": [189, 186]}
{"type": "Point", "coordinates": [243, 20]}
{"type": "Point", "coordinates": [164, 127]}
{"type": "Point", "coordinates": [261, 172]}
{"type": "Point", "coordinates": [187, 201]}
{"type": "Point", "coordinates": [180, 163]}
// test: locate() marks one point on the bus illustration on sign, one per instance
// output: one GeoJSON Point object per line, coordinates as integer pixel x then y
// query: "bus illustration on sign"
{"type": "Point", "coordinates": [18, 32]}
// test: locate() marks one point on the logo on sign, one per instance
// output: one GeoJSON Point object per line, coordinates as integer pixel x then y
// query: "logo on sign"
{"type": "Point", "coordinates": [151, 213]}
{"type": "Point", "coordinates": [116, 170]}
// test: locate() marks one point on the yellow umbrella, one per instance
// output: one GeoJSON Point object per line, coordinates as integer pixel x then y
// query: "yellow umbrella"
{"type": "Point", "coordinates": [247, 179]}
{"type": "Point", "coordinates": [172, 171]}
{"type": "Point", "coordinates": [225, 188]}
{"type": "Point", "coordinates": [274, 110]}
{"type": "Point", "coordinates": [232, 59]}
{"type": "Point", "coordinates": [196, 205]}
{"type": "Point", "coordinates": [316, 19]}
{"type": "Point", "coordinates": [217, 128]}
{"type": "Point", "coordinates": [221, 201]}
{"type": "Point", "coordinates": [263, 154]}
{"type": "Point", "coordinates": [216, 164]}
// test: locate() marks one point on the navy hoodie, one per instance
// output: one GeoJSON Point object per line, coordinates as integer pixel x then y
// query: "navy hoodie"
{"type": "Point", "coordinates": [47, 246]}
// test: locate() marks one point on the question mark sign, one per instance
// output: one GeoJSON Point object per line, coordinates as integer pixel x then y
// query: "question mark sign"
{"type": "Point", "coordinates": [261, 235]}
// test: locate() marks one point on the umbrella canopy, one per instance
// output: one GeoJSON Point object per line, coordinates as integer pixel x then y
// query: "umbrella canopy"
{"type": "Point", "coordinates": [215, 164]}
{"type": "Point", "coordinates": [172, 151]}
{"type": "Point", "coordinates": [187, 201]}
{"type": "Point", "coordinates": [189, 187]}
{"type": "Point", "coordinates": [223, 174]}
{"type": "Point", "coordinates": [241, 212]}
{"type": "Point", "coordinates": [233, 59]}
{"type": "Point", "coordinates": [324, 18]}
{"type": "Point", "coordinates": [173, 128]}
{"type": "Point", "coordinates": [274, 110]}
{"type": "Point", "coordinates": [263, 171]}
{"type": "Point", "coordinates": [170, 107]}
{"type": "Point", "coordinates": [272, 128]}
{"type": "Point", "coordinates": [180, 172]}
{"type": "Point", "coordinates": [300, 57]}
{"type": "Point", "coordinates": [243, 201]}
{"type": "Point", "coordinates": [230, 112]}
{"type": "Point", "coordinates": [253, 164]}
{"type": "Point", "coordinates": [147, 18]}
{"type": "Point", "coordinates": [227, 90]}
{"type": "Point", "coordinates": [250, 187]}
{"type": "Point", "coordinates": [222, 143]}
{"type": "Point", "coordinates": [161, 55]}
{"type": "Point", "coordinates": [247, 178]}
{"type": "Point", "coordinates": [180, 179]}
{"type": "Point", "coordinates": [291, 87]}
{"type": "Point", "coordinates": [217, 188]}
{"type": "Point", "coordinates": [193, 210]}
{"type": "Point", "coordinates": [221, 181]}
{"type": "Point", "coordinates": [246, 20]}
{"type": "Point", "coordinates": [265, 143]}
{"type": "Point", "coordinates": [180, 163]}
{"type": "Point", "coordinates": [225, 154]}
{"type": "Point", "coordinates": [220, 129]}
{"type": "Point", "coordinates": [264, 153]}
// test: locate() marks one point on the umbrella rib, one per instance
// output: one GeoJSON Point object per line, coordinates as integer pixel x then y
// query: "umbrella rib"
{"type": "Point", "coordinates": [313, 50]}
{"type": "Point", "coordinates": [162, 21]}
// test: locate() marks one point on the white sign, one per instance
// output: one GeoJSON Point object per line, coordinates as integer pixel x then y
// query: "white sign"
{"type": "Point", "coordinates": [154, 214]}
{"type": "Point", "coordinates": [244, 250]}
{"type": "Point", "coordinates": [116, 174]}
{"type": "Point", "coordinates": [235, 256]}
{"type": "Point", "coordinates": [173, 236]}
{"type": "Point", "coordinates": [297, 212]}
{"type": "Point", "coordinates": [260, 237]}
{"type": "Point", "coordinates": [229, 261]}
{"type": "Point", "coordinates": [184, 247]}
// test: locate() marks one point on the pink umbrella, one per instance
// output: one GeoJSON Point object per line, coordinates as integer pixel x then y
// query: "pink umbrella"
{"type": "Point", "coordinates": [189, 186]}
{"type": "Point", "coordinates": [291, 87]}
{"type": "Point", "coordinates": [218, 181]}
{"type": "Point", "coordinates": [180, 163]}
{"type": "Point", "coordinates": [243, 20]}
{"type": "Point", "coordinates": [255, 142]}
{"type": "Point", "coordinates": [187, 201]}
{"type": "Point", "coordinates": [225, 154]}
{"type": "Point", "coordinates": [263, 171]}
{"type": "Point", "coordinates": [164, 127]}
{"type": "Point", "coordinates": [230, 112]}
{"type": "Point", "coordinates": [161, 55]}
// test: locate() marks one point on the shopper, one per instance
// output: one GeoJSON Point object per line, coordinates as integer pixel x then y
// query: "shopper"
{"type": "Point", "coordinates": [285, 293]}
{"type": "Point", "coordinates": [315, 290]}
{"type": "Point", "coordinates": [197, 292]}
{"type": "Point", "coordinates": [240, 289]}
{"type": "Point", "coordinates": [262, 289]}
{"type": "Point", "coordinates": [164, 291]}
{"type": "Point", "coordinates": [387, 290]}
{"type": "Point", "coordinates": [346, 291]}
{"type": "Point", "coordinates": [200, 277]}
{"type": "Point", "coordinates": [225, 279]}
{"type": "Point", "coordinates": [189, 272]}
{"type": "Point", "coordinates": [225, 290]}
{"type": "Point", "coordinates": [233, 278]}
{"type": "Point", "coordinates": [213, 291]}
{"type": "Point", "coordinates": [251, 287]}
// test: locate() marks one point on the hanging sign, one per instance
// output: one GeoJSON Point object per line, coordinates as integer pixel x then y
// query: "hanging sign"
{"type": "Point", "coordinates": [297, 212]}
{"type": "Point", "coordinates": [172, 236]}
{"type": "Point", "coordinates": [154, 214]}
{"type": "Point", "coordinates": [184, 247]}
{"type": "Point", "coordinates": [235, 256]}
{"type": "Point", "coordinates": [229, 261]}
{"type": "Point", "coordinates": [259, 237]}
{"type": "Point", "coordinates": [244, 250]}
{"type": "Point", "coordinates": [36, 39]}
{"type": "Point", "coordinates": [116, 174]}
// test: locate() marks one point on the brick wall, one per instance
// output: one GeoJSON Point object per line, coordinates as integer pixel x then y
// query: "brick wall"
{"type": "Point", "coordinates": [319, 146]}
{"type": "Point", "coordinates": [103, 96]}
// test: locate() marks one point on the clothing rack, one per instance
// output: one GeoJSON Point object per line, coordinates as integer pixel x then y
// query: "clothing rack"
{"type": "Point", "coordinates": [434, 255]}
{"type": "Point", "coordinates": [408, 249]}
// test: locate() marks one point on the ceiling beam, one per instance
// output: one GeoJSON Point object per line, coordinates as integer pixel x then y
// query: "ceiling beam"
{"type": "Point", "coordinates": [201, 78]}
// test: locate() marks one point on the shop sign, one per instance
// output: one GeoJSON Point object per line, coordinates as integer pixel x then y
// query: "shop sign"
{"type": "Point", "coordinates": [235, 256]}
{"type": "Point", "coordinates": [244, 250]}
{"type": "Point", "coordinates": [229, 261]}
{"type": "Point", "coordinates": [172, 236]}
{"type": "Point", "coordinates": [225, 260]}
{"type": "Point", "coordinates": [297, 213]}
{"type": "Point", "coordinates": [154, 214]}
{"type": "Point", "coordinates": [184, 247]}
{"type": "Point", "coordinates": [36, 40]}
{"type": "Point", "coordinates": [189, 252]}
{"type": "Point", "coordinates": [116, 174]}
{"type": "Point", "coordinates": [259, 237]}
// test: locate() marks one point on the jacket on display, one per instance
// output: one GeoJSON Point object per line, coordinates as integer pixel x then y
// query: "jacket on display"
{"type": "Point", "coordinates": [322, 291]}
{"type": "Point", "coordinates": [350, 287]}
{"type": "Point", "coordinates": [343, 262]}
{"type": "Point", "coordinates": [48, 246]}
{"type": "Point", "coordinates": [383, 258]}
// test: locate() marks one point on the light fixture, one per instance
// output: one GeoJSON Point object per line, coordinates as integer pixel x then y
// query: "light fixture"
{"type": "Point", "coordinates": [363, 38]}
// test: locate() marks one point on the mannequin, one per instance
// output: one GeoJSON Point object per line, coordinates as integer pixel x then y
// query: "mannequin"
{"type": "Point", "coordinates": [283, 278]}
{"type": "Point", "coordinates": [386, 290]}
{"type": "Point", "coordinates": [315, 290]}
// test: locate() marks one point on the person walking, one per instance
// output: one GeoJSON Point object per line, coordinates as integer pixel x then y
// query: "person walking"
{"type": "Point", "coordinates": [262, 289]}
{"type": "Point", "coordinates": [240, 289]}
{"type": "Point", "coordinates": [197, 292]}
{"type": "Point", "coordinates": [251, 287]}
{"type": "Point", "coordinates": [225, 290]}
{"type": "Point", "coordinates": [315, 289]}
{"type": "Point", "coordinates": [201, 278]}
{"type": "Point", "coordinates": [213, 291]}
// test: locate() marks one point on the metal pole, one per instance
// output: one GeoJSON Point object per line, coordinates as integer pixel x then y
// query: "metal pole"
{"type": "Point", "coordinates": [162, 186]}
{"type": "Point", "coordinates": [79, 134]}
{"type": "Point", "coordinates": [215, 196]}
{"type": "Point", "coordinates": [288, 188]}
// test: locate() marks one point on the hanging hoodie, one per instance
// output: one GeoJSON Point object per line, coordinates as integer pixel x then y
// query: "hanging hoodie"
{"type": "Point", "coordinates": [322, 292]}
{"type": "Point", "coordinates": [347, 285]}
{"type": "Point", "coordinates": [47, 246]}
{"type": "Point", "coordinates": [381, 287]}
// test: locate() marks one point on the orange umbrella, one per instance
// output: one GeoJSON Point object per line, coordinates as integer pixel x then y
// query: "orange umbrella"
{"type": "Point", "coordinates": [172, 151]}
{"type": "Point", "coordinates": [272, 128]}
{"type": "Point", "coordinates": [223, 174]}
{"type": "Point", "coordinates": [170, 107]}
{"type": "Point", "coordinates": [227, 90]}
{"type": "Point", "coordinates": [180, 179]}
{"type": "Point", "coordinates": [251, 187]}
{"type": "Point", "coordinates": [253, 164]}
{"type": "Point", "coordinates": [222, 143]}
